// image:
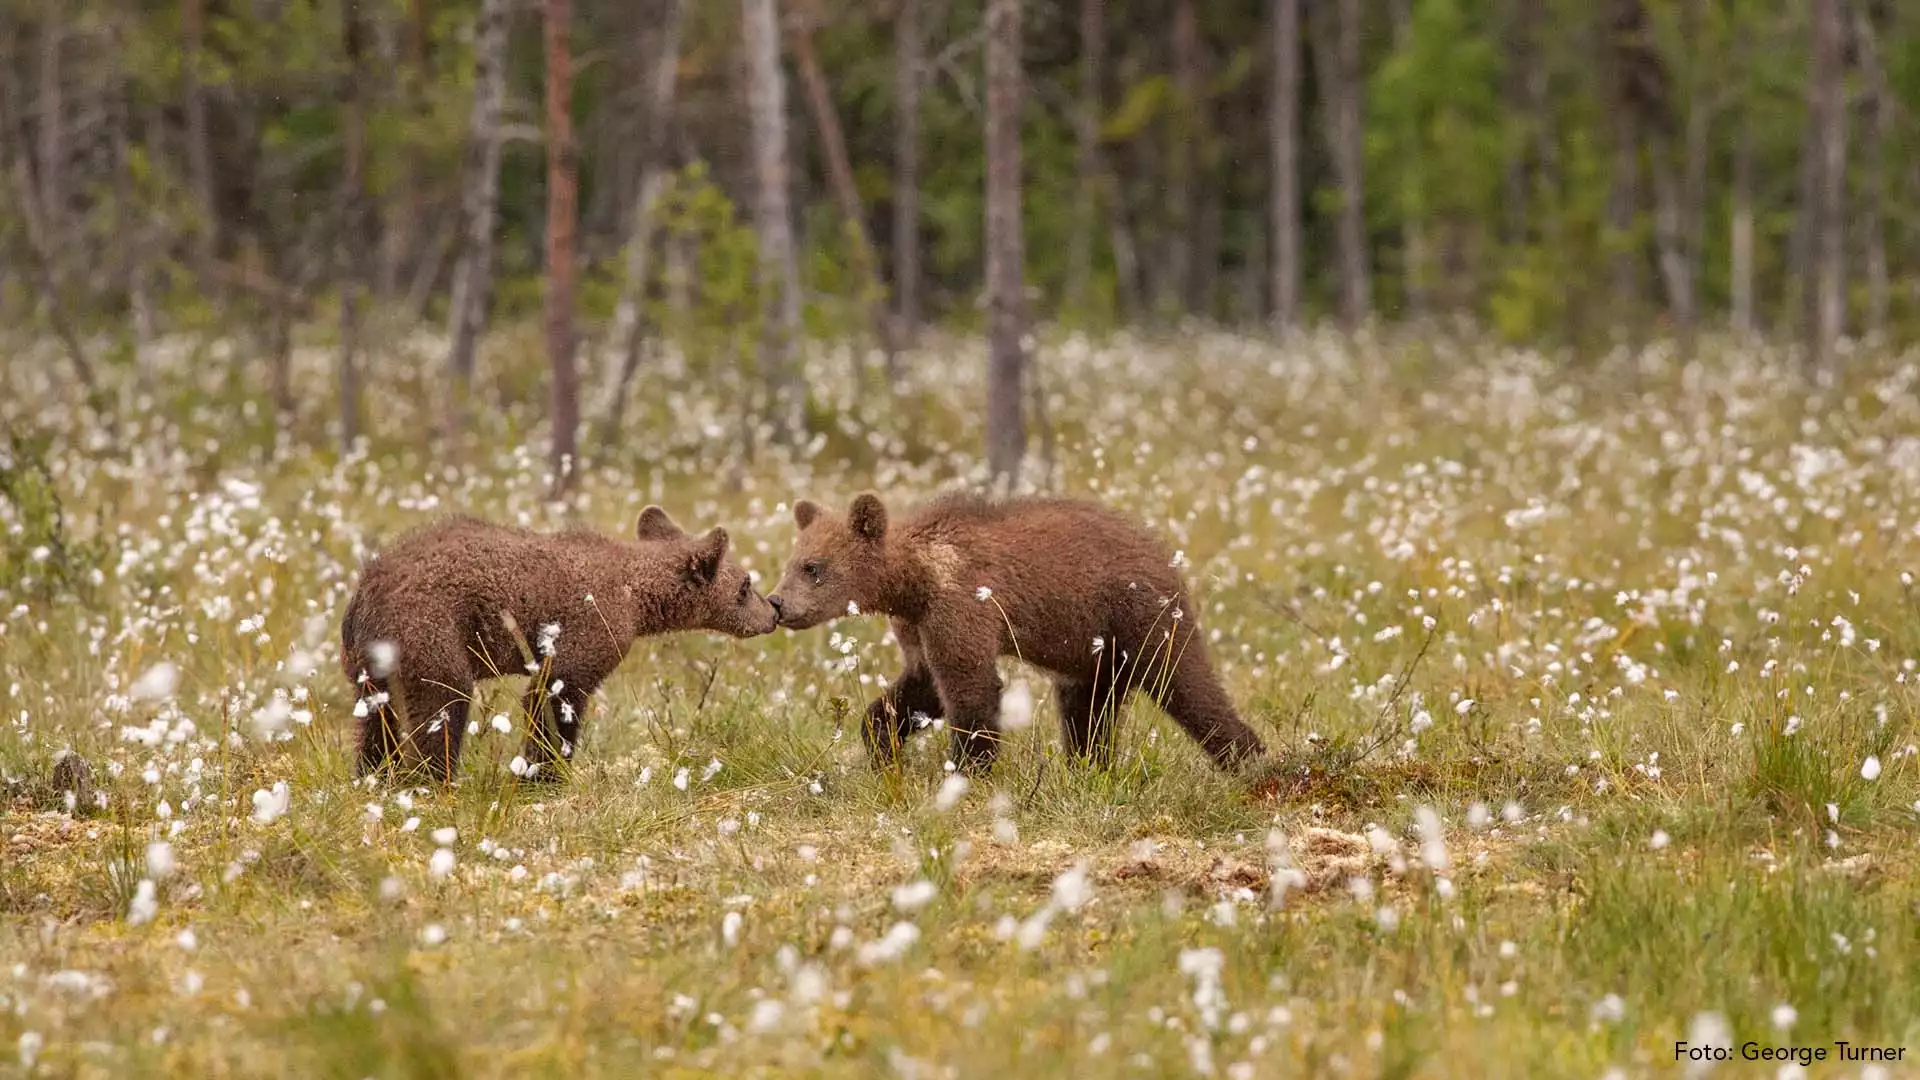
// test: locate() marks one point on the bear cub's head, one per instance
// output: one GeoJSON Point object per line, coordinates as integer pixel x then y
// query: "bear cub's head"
{"type": "Point", "coordinates": [721, 596]}
{"type": "Point", "coordinates": [835, 562]}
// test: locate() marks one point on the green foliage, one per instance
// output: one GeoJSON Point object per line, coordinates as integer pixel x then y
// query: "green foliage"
{"type": "Point", "coordinates": [40, 557]}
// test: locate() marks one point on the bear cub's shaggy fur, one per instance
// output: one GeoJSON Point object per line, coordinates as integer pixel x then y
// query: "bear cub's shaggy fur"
{"type": "Point", "coordinates": [1068, 586]}
{"type": "Point", "coordinates": [462, 600]}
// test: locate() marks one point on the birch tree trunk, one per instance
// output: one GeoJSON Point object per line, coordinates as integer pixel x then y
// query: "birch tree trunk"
{"type": "Point", "coordinates": [628, 317]}
{"type": "Point", "coordinates": [562, 216]}
{"type": "Point", "coordinates": [909, 59]}
{"type": "Point", "coordinates": [479, 200]}
{"type": "Point", "coordinates": [1740, 238]}
{"type": "Point", "coordinates": [1006, 253]}
{"type": "Point", "coordinates": [1283, 122]}
{"type": "Point", "coordinates": [773, 220]}
{"type": "Point", "coordinates": [1827, 106]}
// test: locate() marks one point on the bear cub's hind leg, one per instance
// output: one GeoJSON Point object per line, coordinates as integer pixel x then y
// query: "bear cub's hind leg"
{"type": "Point", "coordinates": [1088, 713]}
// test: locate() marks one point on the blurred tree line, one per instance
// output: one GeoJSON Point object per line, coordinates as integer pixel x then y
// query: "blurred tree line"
{"type": "Point", "coordinates": [1553, 170]}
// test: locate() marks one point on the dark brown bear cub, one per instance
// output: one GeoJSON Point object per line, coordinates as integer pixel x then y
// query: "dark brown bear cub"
{"type": "Point", "coordinates": [1067, 586]}
{"type": "Point", "coordinates": [462, 600]}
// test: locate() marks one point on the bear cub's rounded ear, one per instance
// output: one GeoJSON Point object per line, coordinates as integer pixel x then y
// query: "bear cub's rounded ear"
{"type": "Point", "coordinates": [655, 524]}
{"type": "Point", "coordinates": [805, 513]}
{"type": "Point", "coordinates": [869, 517]}
{"type": "Point", "coordinates": [703, 562]}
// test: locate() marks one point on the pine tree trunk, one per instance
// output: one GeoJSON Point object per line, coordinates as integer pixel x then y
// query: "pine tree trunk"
{"type": "Point", "coordinates": [1006, 254]}
{"type": "Point", "coordinates": [352, 240]}
{"type": "Point", "coordinates": [199, 151]}
{"type": "Point", "coordinates": [1086, 124]}
{"type": "Point", "coordinates": [479, 201]}
{"type": "Point", "coordinates": [1827, 239]}
{"type": "Point", "coordinates": [773, 220]}
{"type": "Point", "coordinates": [833, 146]}
{"type": "Point", "coordinates": [1338, 47]}
{"type": "Point", "coordinates": [909, 51]}
{"type": "Point", "coordinates": [562, 216]}
{"type": "Point", "coordinates": [628, 317]}
{"type": "Point", "coordinates": [1283, 121]}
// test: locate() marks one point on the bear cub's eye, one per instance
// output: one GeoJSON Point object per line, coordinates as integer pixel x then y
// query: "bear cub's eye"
{"type": "Point", "coordinates": [813, 572]}
{"type": "Point", "coordinates": [746, 587]}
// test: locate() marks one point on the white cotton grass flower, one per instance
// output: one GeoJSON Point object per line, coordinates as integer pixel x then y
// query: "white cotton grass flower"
{"type": "Point", "coordinates": [983, 594]}
{"type": "Point", "coordinates": [28, 1048]}
{"type": "Point", "coordinates": [1710, 1030]}
{"type": "Point", "coordinates": [1870, 768]}
{"type": "Point", "coordinates": [1203, 966]}
{"type": "Point", "coordinates": [433, 935]}
{"type": "Point", "coordinates": [1016, 706]}
{"type": "Point", "coordinates": [853, 608]}
{"type": "Point", "coordinates": [892, 945]}
{"type": "Point", "coordinates": [730, 926]}
{"type": "Point", "coordinates": [1784, 1016]}
{"type": "Point", "coordinates": [160, 861]}
{"type": "Point", "coordinates": [440, 864]}
{"type": "Point", "coordinates": [913, 896]}
{"type": "Point", "coordinates": [952, 790]}
{"type": "Point", "coordinates": [1659, 839]}
{"type": "Point", "coordinates": [548, 639]}
{"type": "Point", "coordinates": [766, 1015]}
{"type": "Point", "coordinates": [502, 723]}
{"type": "Point", "coordinates": [1433, 840]}
{"type": "Point", "coordinates": [145, 904]}
{"type": "Point", "coordinates": [445, 835]}
{"type": "Point", "coordinates": [382, 658]}
{"type": "Point", "coordinates": [1073, 888]}
{"type": "Point", "coordinates": [271, 719]}
{"type": "Point", "coordinates": [270, 805]}
{"type": "Point", "coordinates": [157, 683]}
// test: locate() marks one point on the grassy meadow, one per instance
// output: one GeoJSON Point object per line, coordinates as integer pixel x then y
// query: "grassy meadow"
{"type": "Point", "coordinates": [1590, 686]}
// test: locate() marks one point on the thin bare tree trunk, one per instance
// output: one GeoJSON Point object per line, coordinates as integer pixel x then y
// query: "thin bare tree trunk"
{"type": "Point", "coordinates": [628, 317]}
{"type": "Point", "coordinates": [40, 256]}
{"type": "Point", "coordinates": [1876, 103]}
{"type": "Point", "coordinates": [1086, 123]}
{"type": "Point", "coordinates": [132, 234]}
{"type": "Point", "coordinates": [479, 200]}
{"type": "Point", "coordinates": [1415, 250]}
{"type": "Point", "coordinates": [833, 146]}
{"type": "Point", "coordinates": [1676, 268]}
{"type": "Point", "coordinates": [1740, 239]}
{"type": "Point", "coordinates": [1181, 156]}
{"type": "Point", "coordinates": [909, 59]}
{"type": "Point", "coordinates": [199, 152]}
{"type": "Point", "coordinates": [53, 127]}
{"type": "Point", "coordinates": [1006, 249]}
{"type": "Point", "coordinates": [562, 216]}
{"type": "Point", "coordinates": [353, 197]}
{"type": "Point", "coordinates": [1826, 91]}
{"type": "Point", "coordinates": [401, 241]}
{"type": "Point", "coordinates": [773, 219]}
{"type": "Point", "coordinates": [1283, 122]}
{"type": "Point", "coordinates": [1338, 46]}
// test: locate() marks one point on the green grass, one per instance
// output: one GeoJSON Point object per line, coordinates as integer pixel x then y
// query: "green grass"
{"type": "Point", "coordinates": [1668, 630]}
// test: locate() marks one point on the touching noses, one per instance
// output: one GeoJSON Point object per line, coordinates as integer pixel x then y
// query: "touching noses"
{"type": "Point", "coordinates": [777, 604]}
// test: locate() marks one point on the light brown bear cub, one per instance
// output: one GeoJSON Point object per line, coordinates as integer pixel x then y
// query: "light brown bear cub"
{"type": "Point", "coordinates": [1068, 586]}
{"type": "Point", "coordinates": [457, 601]}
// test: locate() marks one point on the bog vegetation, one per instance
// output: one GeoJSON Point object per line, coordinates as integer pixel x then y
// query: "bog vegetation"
{"type": "Point", "coordinates": [1591, 688]}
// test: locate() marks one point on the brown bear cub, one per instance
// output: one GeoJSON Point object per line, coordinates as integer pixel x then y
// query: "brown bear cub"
{"type": "Point", "coordinates": [462, 600]}
{"type": "Point", "coordinates": [1068, 586]}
